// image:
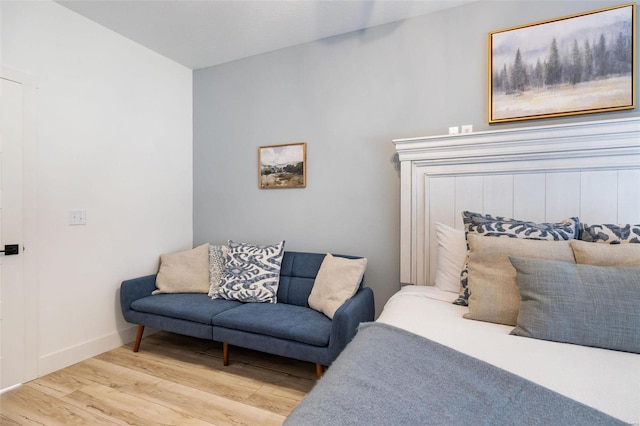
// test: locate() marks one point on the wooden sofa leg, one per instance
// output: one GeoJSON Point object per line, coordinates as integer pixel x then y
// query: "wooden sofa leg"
{"type": "Point", "coordinates": [319, 370]}
{"type": "Point", "coordinates": [225, 354]}
{"type": "Point", "coordinates": [136, 344]}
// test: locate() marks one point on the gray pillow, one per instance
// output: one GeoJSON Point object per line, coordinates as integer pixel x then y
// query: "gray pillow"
{"type": "Point", "coordinates": [581, 304]}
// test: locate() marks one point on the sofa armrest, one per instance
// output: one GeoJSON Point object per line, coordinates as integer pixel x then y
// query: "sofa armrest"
{"type": "Point", "coordinates": [132, 290]}
{"type": "Point", "coordinates": [360, 308]}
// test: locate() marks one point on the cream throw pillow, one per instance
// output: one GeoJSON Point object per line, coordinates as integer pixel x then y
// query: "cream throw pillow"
{"type": "Point", "coordinates": [184, 272]}
{"type": "Point", "coordinates": [606, 254]}
{"type": "Point", "coordinates": [492, 279]}
{"type": "Point", "coordinates": [337, 281]}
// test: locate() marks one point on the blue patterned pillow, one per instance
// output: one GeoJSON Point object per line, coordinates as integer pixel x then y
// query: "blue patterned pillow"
{"type": "Point", "coordinates": [498, 226]}
{"type": "Point", "coordinates": [251, 273]}
{"type": "Point", "coordinates": [609, 233]}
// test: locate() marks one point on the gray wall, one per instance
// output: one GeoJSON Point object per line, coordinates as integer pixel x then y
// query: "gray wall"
{"type": "Point", "coordinates": [347, 97]}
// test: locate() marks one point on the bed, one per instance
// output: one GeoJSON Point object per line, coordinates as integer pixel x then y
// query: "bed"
{"type": "Point", "coordinates": [422, 361]}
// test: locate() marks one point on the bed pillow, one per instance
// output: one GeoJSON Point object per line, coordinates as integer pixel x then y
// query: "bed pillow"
{"type": "Point", "coordinates": [498, 226]}
{"type": "Point", "coordinates": [252, 273]}
{"type": "Point", "coordinates": [492, 278]}
{"type": "Point", "coordinates": [606, 254]}
{"type": "Point", "coordinates": [217, 259]}
{"type": "Point", "coordinates": [184, 272]}
{"type": "Point", "coordinates": [581, 304]}
{"type": "Point", "coordinates": [609, 233]}
{"type": "Point", "coordinates": [337, 281]}
{"type": "Point", "coordinates": [452, 253]}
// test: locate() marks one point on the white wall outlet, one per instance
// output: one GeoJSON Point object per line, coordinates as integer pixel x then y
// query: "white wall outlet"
{"type": "Point", "coordinates": [467, 128]}
{"type": "Point", "coordinates": [453, 130]}
{"type": "Point", "coordinates": [77, 217]}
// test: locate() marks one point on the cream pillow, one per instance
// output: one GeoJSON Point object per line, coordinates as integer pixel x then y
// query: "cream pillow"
{"type": "Point", "coordinates": [452, 253]}
{"type": "Point", "coordinates": [492, 279]}
{"type": "Point", "coordinates": [606, 254]}
{"type": "Point", "coordinates": [505, 227]}
{"type": "Point", "coordinates": [337, 281]}
{"type": "Point", "coordinates": [184, 272]}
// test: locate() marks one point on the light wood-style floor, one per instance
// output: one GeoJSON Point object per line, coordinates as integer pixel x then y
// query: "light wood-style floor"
{"type": "Point", "coordinates": [173, 380]}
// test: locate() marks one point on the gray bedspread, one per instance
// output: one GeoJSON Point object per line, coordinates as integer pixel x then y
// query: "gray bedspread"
{"type": "Point", "coordinates": [388, 376]}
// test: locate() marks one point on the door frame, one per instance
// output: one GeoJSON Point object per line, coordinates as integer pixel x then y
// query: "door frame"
{"type": "Point", "coordinates": [29, 249]}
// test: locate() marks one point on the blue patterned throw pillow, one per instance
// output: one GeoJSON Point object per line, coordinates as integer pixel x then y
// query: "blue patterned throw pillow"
{"type": "Point", "coordinates": [609, 233]}
{"type": "Point", "coordinates": [251, 273]}
{"type": "Point", "coordinates": [499, 226]}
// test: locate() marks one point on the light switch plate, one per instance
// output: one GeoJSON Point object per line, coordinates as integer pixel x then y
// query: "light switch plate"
{"type": "Point", "coordinates": [77, 217]}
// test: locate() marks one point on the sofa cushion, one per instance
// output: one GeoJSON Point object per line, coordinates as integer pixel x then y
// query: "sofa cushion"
{"type": "Point", "coordinates": [297, 275]}
{"type": "Point", "coordinates": [188, 306]}
{"type": "Point", "coordinates": [294, 290]}
{"type": "Point", "coordinates": [278, 320]}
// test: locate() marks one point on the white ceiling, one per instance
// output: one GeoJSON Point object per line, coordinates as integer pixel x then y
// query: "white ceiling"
{"type": "Point", "coordinates": [203, 33]}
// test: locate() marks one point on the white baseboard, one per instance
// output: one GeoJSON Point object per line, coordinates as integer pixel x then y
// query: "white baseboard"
{"type": "Point", "coordinates": [74, 354]}
{"type": "Point", "coordinates": [10, 388]}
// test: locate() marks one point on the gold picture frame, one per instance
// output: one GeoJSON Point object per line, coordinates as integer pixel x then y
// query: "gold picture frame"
{"type": "Point", "coordinates": [578, 64]}
{"type": "Point", "coordinates": [282, 166]}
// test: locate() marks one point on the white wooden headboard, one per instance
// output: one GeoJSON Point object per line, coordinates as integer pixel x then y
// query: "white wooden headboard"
{"type": "Point", "coordinates": [542, 174]}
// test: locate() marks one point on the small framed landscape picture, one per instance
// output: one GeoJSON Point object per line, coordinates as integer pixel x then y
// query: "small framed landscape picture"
{"type": "Point", "coordinates": [577, 64]}
{"type": "Point", "coordinates": [282, 166]}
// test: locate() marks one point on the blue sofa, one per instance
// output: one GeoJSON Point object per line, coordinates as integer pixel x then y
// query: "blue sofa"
{"type": "Point", "coordinates": [287, 328]}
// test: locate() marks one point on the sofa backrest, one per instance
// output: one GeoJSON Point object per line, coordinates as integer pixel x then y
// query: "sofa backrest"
{"type": "Point", "coordinates": [297, 274]}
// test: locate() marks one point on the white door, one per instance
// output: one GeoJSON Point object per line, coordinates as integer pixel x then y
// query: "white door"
{"type": "Point", "coordinates": [12, 294]}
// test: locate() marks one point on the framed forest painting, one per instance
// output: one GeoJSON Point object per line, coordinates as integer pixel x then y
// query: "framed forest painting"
{"type": "Point", "coordinates": [577, 64]}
